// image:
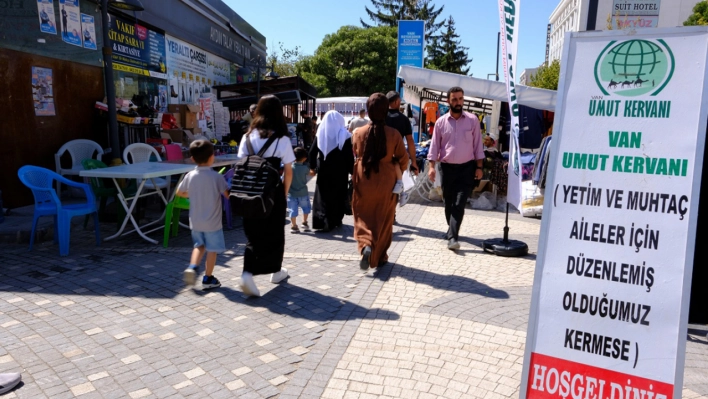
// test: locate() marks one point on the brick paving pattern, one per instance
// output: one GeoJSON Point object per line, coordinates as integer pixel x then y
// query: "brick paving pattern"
{"type": "Point", "coordinates": [116, 321]}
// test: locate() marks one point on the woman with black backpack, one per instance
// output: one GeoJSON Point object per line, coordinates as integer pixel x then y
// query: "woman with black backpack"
{"type": "Point", "coordinates": [266, 235]}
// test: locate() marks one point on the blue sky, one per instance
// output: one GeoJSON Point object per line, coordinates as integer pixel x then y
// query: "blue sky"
{"type": "Point", "coordinates": [305, 24]}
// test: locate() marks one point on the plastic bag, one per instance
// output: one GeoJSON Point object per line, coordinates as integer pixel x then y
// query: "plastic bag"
{"type": "Point", "coordinates": [435, 194]}
{"type": "Point", "coordinates": [408, 181]}
{"type": "Point", "coordinates": [487, 201]}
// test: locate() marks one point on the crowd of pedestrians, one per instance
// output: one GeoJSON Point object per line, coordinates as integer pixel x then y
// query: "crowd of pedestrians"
{"type": "Point", "coordinates": [372, 151]}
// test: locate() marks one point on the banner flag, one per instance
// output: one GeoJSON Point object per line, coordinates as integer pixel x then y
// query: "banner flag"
{"type": "Point", "coordinates": [509, 28]}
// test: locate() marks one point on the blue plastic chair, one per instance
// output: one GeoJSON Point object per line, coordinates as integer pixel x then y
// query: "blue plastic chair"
{"type": "Point", "coordinates": [46, 203]}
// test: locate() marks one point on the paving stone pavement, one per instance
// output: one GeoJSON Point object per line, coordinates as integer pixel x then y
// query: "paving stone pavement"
{"type": "Point", "coordinates": [116, 321]}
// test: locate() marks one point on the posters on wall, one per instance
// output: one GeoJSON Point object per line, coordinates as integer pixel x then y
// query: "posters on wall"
{"type": "Point", "coordinates": [162, 98]}
{"type": "Point", "coordinates": [45, 10]}
{"type": "Point", "coordinates": [43, 91]}
{"type": "Point", "coordinates": [193, 69]}
{"type": "Point", "coordinates": [137, 49]}
{"type": "Point", "coordinates": [89, 31]}
{"type": "Point", "coordinates": [70, 22]}
{"type": "Point", "coordinates": [635, 14]}
{"type": "Point", "coordinates": [611, 289]}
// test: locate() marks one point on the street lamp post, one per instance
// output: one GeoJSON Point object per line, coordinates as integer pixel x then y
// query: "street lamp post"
{"type": "Point", "coordinates": [128, 5]}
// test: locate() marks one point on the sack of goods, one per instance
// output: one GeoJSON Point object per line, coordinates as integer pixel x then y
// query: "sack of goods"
{"type": "Point", "coordinates": [253, 187]}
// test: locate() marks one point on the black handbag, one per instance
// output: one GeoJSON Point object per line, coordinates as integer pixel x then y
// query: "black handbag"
{"type": "Point", "coordinates": [348, 201]}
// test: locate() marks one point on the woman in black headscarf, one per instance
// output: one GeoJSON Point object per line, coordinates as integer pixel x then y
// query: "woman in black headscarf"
{"type": "Point", "coordinates": [379, 150]}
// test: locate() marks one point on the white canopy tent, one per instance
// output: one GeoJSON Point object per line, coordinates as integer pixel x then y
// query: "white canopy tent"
{"type": "Point", "coordinates": [474, 88]}
{"type": "Point", "coordinates": [348, 106]}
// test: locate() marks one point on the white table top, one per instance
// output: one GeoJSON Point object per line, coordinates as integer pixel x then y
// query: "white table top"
{"type": "Point", "coordinates": [147, 170]}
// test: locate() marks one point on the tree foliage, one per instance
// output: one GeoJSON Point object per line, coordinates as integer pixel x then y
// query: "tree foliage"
{"type": "Point", "coordinates": [445, 52]}
{"type": "Point", "coordinates": [699, 16]}
{"type": "Point", "coordinates": [546, 76]}
{"type": "Point", "coordinates": [353, 62]}
{"type": "Point", "coordinates": [389, 12]}
{"type": "Point", "coordinates": [284, 60]}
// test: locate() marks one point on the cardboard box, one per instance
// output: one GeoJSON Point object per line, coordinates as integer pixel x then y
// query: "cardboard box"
{"type": "Point", "coordinates": [484, 185]}
{"type": "Point", "coordinates": [176, 108]}
{"type": "Point", "coordinates": [176, 135]}
{"type": "Point", "coordinates": [178, 119]}
{"type": "Point", "coordinates": [128, 119]}
{"type": "Point", "coordinates": [192, 115]}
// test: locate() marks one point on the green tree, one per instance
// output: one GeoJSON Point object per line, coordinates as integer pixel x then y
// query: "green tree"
{"type": "Point", "coordinates": [389, 12]}
{"type": "Point", "coordinates": [546, 76]}
{"type": "Point", "coordinates": [699, 16]}
{"type": "Point", "coordinates": [445, 53]}
{"type": "Point", "coordinates": [353, 62]}
{"type": "Point", "coordinates": [284, 60]}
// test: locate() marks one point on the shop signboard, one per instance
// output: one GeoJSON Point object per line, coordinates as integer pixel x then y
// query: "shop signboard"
{"type": "Point", "coordinates": [45, 10]}
{"type": "Point", "coordinates": [137, 49]}
{"type": "Point", "coordinates": [611, 290]}
{"type": "Point", "coordinates": [70, 21]}
{"type": "Point", "coordinates": [411, 42]}
{"type": "Point", "coordinates": [89, 31]}
{"type": "Point", "coordinates": [635, 13]}
{"type": "Point", "coordinates": [185, 60]}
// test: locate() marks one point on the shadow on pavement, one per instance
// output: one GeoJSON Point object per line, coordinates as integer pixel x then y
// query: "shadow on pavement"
{"type": "Point", "coordinates": [441, 281]}
{"type": "Point", "coordinates": [302, 303]}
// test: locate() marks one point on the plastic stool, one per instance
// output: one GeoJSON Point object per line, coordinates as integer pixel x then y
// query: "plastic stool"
{"type": "Point", "coordinates": [172, 212]}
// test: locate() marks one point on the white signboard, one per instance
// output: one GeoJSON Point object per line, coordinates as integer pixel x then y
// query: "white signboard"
{"type": "Point", "coordinates": [193, 70]}
{"type": "Point", "coordinates": [610, 299]}
{"type": "Point", "coordinates": [635, 14]}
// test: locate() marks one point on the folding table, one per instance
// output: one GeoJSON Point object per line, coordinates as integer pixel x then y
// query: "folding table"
{"type": "Point", "coordinates": [143, 172]}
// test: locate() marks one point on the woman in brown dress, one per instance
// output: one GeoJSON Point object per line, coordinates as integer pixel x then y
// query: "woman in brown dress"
{"type": "Point", "coordinates": [379, 151]}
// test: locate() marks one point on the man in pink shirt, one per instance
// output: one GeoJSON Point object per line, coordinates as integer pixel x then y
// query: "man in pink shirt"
{"type": "Point", "coordinates": [457, 145]}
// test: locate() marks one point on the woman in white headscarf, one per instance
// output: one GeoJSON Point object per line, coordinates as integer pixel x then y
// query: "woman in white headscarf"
{"type": "Point", "coordinates": [332, 158]}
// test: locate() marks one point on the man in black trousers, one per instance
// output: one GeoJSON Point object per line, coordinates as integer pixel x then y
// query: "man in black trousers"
{"type": "Point", "coordinates": [457, 145]}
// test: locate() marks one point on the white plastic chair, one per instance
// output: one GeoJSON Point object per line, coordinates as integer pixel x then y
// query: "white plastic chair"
{"type": "Point", "coordinates": [140, 152]}
{"type": "Point", "coordinates": [423, 184]}
{"type": "Point", "coordinates": [78, 150]}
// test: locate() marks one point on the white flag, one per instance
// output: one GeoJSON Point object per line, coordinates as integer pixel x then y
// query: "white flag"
{"type": "Point", "coordinates": [509, 28]}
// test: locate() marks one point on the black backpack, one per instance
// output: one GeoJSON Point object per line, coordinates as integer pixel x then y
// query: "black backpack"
{"type": "Point", "coordinates": [254, 185]}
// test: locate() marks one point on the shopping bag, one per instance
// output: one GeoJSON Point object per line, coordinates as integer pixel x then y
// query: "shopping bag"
{"type": "Point", "coordinates": [408, 181]}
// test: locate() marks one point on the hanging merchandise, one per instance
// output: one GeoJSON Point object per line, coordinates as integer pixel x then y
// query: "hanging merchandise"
{"type": "Point", "coordinates": [431, 112]}
{"type": "Point", "coordinates": [70, 21]}
{"type": "Point", "coordinates": [47, 23]}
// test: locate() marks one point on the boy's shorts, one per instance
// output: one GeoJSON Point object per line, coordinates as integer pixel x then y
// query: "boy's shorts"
{"type": "Point", "coordinates": [213, 241]}
{"type": "Point", "coordinates": [295, 202]}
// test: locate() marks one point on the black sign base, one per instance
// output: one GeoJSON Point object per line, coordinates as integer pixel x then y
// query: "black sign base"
{"type": "Point", "coordinates": [505, 246]}
{"type": "Point", "coordinates": [510, 248]}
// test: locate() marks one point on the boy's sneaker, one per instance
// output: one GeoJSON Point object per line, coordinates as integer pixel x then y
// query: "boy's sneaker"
{"type": "Point", "coordinates": [190, 275]}
{"type": "Point", "coordinates": [248, 286]}
{"type": "Point", "coordinates": [209, 282]}
{"type": "Point", "coordinates": [294, 229]}
{"type": "Point", "coordinates": [403, 198]}
{"type": "Point", "coordinates": [279, 276]}
{"type": "Point", "coordinates": [398, 187]}
{"type": "Point", "coordinates": [305, 226]}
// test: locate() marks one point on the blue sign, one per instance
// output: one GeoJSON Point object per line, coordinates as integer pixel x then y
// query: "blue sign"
{"type": "Point", "coordinates": [411, 43]}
